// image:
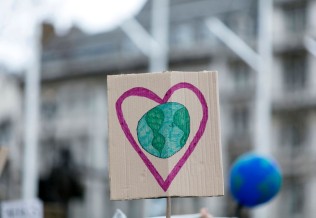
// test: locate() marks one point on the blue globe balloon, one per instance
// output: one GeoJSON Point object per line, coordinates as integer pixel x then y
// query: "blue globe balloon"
{"type": "Point", "coordinates": [254, 180]}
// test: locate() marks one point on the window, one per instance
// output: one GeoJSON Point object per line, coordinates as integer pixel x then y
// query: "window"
{"type": "Point", "coordinates": [129, 46]}
{"type": "Point", "coordinates": [203, 34]}
{"type": "Point", "coordinates": [5, 132]}
{"type": "Point", "coordinates": [49, 110]}
{"type": "Point", "coordinates": [241, 75]}
{"type": "Point", "coordinates": [293, 198]}
{"type": "Point", "coordinates": [74, 100]}
{"type": "Point", "coordinates": [243, 24]}
{"type": "Point", "coordinates": [295, 18]}
{"type": "Point", "coordinates": [294, 71]}
{"type": "Point", "coordinates": [182, 35]}
{"type": "Point", "coordinates": [294, 131]}
{"type": "Point", "coordinates": [240, 117]}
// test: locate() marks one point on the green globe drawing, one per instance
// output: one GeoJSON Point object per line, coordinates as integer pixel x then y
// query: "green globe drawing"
{"type": "Point", "coordinates": [254, 180]}
{"type": "Point", "coordinates": [164, 129]}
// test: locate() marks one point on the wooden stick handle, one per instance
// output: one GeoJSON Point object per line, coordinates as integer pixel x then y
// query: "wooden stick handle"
{"type": "Point", "coordinates": [168, 208]}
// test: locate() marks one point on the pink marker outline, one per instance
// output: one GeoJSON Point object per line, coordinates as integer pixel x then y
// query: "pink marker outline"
{"type": "Point", "coordinates": [143, 92]}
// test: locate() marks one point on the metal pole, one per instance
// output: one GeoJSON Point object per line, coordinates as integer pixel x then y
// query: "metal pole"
{"type": "Point", "coordinates": [32, 93]}
{"type": "Point", "coordinates": [139, 36]}
{"type": "Point", "coordinates": [263, 92]}
{"type": "Point", "coordinates": [158, 59]}
{"type": "Point", "coordinates": [263, 98]}
{"type": "Point", "coordinates": [234, 42]}
{"type": "Point", "coordinates": [98, 207]}
{"type": "Point", "coordinates": [310, 45]}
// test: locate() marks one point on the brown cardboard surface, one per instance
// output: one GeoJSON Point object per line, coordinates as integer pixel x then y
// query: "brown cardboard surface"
{"type": "Point", "coordinates": [196, 169]}
{"type": "Point", "coordinates": [3, 158]}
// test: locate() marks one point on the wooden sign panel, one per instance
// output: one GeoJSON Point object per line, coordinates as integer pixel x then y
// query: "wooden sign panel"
{"type": "Point", "coordinates": [164, 135]}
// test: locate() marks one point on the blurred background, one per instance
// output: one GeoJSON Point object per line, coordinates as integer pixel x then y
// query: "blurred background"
{"type": "Point", "coordinates": [54, 58]}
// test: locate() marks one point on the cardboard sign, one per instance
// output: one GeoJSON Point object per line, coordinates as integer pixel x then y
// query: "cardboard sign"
{"type": "Point", "coordinates": [164, 135]}
{"type": "Point", "coordinates": [3, 158]}
{"type": "Point", "coordinates": [22, 209]}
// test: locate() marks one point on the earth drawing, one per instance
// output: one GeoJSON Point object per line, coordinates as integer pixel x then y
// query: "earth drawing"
{"type": "Point", "coordinates": [164, 129]}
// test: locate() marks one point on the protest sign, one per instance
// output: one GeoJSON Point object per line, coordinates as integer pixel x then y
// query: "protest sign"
{"type": "Point", "coordinates": [164, 135]}
{"type": "Point", "coordinates": [22, 209]}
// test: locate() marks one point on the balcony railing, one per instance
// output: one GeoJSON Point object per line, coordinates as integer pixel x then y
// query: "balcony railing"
{"type": "Point", "coordinates": [296, 160]}
{"type": "Point", "coordinates": [293, 100]}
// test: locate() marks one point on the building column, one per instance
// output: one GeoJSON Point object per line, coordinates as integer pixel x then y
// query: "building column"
{"type": "Point", "coordinates": [96, 193]}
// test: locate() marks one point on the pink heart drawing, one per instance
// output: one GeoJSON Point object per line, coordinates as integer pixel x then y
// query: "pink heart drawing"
{"type": "Point", "coordinates": [143, 92]}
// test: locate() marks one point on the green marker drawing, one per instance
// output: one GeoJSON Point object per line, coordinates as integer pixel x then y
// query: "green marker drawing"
{"type": "Point", "coordinates": [164, 129]}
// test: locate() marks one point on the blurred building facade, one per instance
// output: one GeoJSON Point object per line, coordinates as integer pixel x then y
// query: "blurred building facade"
{"type": "Point", "coordinates": [10, 135]}
{"type": "Point", "coordinates": [74, 103]}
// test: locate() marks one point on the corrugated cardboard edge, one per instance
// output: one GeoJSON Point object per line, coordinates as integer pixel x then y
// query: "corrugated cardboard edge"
{"type": "Point", "coordinates": [108, 140]}
{"type": "Point", "coordinates": [219, 128]}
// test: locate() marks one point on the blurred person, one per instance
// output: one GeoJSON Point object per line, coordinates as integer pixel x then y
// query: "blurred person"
{"type": "Point", "coordinates": [63, 183]}
{"type": "Point", "coordinates": [204, 213]}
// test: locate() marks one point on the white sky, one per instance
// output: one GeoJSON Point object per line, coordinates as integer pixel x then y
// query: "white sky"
{"type": "Point", "coordinates": [96, 15]}
{"type": "Point", "coordinates": [19, 18]}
